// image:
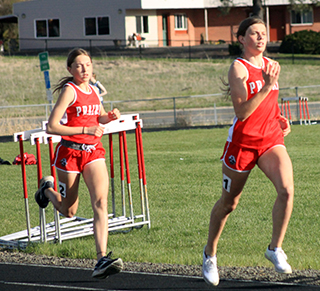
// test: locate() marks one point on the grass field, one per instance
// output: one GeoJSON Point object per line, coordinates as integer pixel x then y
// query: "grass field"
{"type": "Point", "coordinates": [184, 181]}
{"type": "Point", "coordinates": [22, 82]}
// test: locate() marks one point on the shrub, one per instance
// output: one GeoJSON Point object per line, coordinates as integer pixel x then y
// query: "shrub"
{"type": "Point", "coordinates": [234, 49]}
{"type": "Point", "coordinates": [301, 42]}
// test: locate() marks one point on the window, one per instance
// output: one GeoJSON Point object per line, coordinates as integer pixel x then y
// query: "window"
{"type": "Point", "coordinates": [90, 26]}
{"type": "Point", "coordinates": [180, 22]}
{"type": "Point", "coordinates": [302, 17]}
{"type": "Point", "coordinates": [142, 24]}
{"type": "Point", "coordinates": [54, 27]}
{"type": "Point", "coordinates": [48, 28]}
{"type": "Point", "coordinates": [97, 25]}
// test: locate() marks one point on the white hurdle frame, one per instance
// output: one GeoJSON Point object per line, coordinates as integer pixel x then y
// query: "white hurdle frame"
{"type": "Point", "coordinates": [67, 228]}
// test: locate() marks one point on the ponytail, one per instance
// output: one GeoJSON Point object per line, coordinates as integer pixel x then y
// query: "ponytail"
{"type": "Point", "coordinates": [62, 82]}
{"type": "Point", "coordinates": [226, 88]}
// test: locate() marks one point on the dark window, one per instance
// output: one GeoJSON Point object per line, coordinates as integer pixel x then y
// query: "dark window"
{"type": "Point", "coordinates": [48, 28]}
{"type": "Point", "coordinates": [145, 24]}
{"type": "Point", "coordinates": [302, 17]}
{"type": "Point", "coordinates": [103, 25]}
{"type": "Point", "coordinates": [138, 24]}
{"type": "Point", "coordinates": [54, 27]}
{"type": "Point", "coordinates": [97, 25]}
{"type": "Point", "coordinates": [180, 22]}
{"type": "Point", "coordinates": [90, 26]}
{"type": "Point", "coordinates": [41, 28]}
{"type": "Point", "coordinates": [142, 24]}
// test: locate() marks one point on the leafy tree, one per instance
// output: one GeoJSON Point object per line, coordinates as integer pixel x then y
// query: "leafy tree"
{"type": "Point", "coordinates": [257, 9]}
{"type": "Point", "coordinates": [8, 31]}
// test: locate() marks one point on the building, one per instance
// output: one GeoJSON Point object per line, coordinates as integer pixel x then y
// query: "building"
{"type": "Point", "coordinates": [45, 24]}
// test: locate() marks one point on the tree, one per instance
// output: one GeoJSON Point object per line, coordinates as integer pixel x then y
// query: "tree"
{"type": "Point", "coordinates": [8, 31]}
{"type": "Point", "coordinates": [257, 9]}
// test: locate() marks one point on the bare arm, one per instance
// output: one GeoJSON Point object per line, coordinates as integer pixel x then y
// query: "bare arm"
{"type": "Point", "coordinates": [106, 117]}
{"type": "Point", "coordinates": [102, 88]}
{"type": "Point", "coordinates": [285, 125]}
{"type": "Point", "coordinates": [237, 79]}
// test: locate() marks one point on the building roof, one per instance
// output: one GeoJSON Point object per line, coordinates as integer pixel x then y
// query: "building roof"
{"type": "Point", "coordinates": [9, 19]}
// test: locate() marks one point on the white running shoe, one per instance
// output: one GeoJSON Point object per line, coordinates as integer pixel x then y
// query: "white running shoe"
{"type": "Point", "coordinates": [210, 270]}
{"type": "Point", "coordinates": [279, 259]}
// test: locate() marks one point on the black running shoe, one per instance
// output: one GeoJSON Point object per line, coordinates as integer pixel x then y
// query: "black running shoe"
{"type": "Point", "coordinates": [45, 183]}
{"type": "Point", "coordinates": [107, 266]}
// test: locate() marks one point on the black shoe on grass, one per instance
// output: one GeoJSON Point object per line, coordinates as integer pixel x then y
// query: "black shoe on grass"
{"type": "Point", "coordinates": [45, 183]}
{"type": "Point", "coordinates": [107, 266]}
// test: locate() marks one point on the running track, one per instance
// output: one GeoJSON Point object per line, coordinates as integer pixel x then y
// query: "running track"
{"type": "Point", "coordinates": [14, 277]}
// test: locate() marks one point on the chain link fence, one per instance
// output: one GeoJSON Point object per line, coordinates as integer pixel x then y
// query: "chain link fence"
{"type": "Point", "coordinates": [170, 112]}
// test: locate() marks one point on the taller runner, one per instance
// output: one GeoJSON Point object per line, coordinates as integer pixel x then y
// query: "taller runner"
{"type": "Point", "coordinates": [256, 137]}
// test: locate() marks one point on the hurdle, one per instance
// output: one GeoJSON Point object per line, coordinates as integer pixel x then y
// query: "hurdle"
{"type": "Point", "coordinates": [67, 228]}
{"type": "Point", "coordinates": [303, 109]}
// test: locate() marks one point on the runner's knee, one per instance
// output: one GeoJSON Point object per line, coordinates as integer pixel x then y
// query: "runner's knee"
{"type": "Point", "coordinates": [100, 204]}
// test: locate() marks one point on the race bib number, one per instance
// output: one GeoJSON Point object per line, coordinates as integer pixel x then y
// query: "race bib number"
{"type": "Point", "coordinates": [62, 189]}
{"type": "Point", "coordinates": [226, 183]}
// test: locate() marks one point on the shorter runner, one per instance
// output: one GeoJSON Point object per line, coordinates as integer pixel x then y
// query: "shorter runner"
{"type": "Point", "coordinates": [77, 116]}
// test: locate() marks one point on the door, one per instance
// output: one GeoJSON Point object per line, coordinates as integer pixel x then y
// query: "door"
{"type": "Point", "coordinates": [277, 24]}
{"type": "Point", "coordinates": [165, 30]}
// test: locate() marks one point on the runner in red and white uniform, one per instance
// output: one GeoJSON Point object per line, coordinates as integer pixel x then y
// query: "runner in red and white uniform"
{"type": "Point", "coordinates": [77, 117]}
{"type": "Point", "coordinates": [84, 111]}
{"type": "Point", "coordinates": [261, 130]}
{"type": "Point", "coordinates": [255, 138]}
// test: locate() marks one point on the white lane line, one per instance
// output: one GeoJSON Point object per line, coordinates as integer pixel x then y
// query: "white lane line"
{"type": "Point", "coordinates": [53, 286]}
{"type": "Point", "coordinates": [160, 274]}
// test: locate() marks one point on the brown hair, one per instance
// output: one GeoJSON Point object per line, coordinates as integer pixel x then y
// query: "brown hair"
{"type": "Point", "coordinates": [242, 29]}
{"type": "Point", "coordinates": [71, 57]}
{"type": "Point", "coordinates": [245, 24]}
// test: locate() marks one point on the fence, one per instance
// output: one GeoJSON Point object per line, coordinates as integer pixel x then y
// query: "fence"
{"type": "Point", "coordinates": [175, 112]}
{"type": "Point", "coordinates": [184, 48]}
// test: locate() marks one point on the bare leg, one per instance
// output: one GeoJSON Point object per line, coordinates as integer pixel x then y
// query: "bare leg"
{"type": "Point", "coordinates": [67, 205]}
{"type": "Point", "coordinates": [96, 177]}
{"type": "Point", "coordinates": [277, 166]}
{"type": "Point", "coordinates": [224, 206]}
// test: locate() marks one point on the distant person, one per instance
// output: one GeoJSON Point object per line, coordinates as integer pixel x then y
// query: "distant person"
{"type": "Point", "coordinates": [101, 88]}
{"type": "Point", "coordinates": [77, 116]}
{"type": "Point", "coordinates": [255, 138]}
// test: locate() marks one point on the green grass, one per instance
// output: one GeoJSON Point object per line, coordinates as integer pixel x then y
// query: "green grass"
{"type": "Point", "coordinates": [22, 82]}
{"type": "Point", "coordinates": [145, 85]}
{"type": "Point", "coordinates": [184, 181]}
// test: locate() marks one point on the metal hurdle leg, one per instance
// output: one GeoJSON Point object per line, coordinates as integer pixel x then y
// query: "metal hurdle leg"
{"type": "Point", "coordinates": [285, 109]}
{"type": "Point", "coordinates": [289, 110]}
{"type": "Point", "coordinates": [300, 110]}
{"type": "Point", "coordinates": [307, 108]}
{"type": "Point", "coordinates": [53, 174]}
{"type": "Point", "coordinates": [304, 111]}
{"type": "Point", "coordinates": [144, 178]}
{"type": "Point", "coordinates": [142, 200]}
{"type": "Point", "coordinates": [128, 174]}
{"type": "Point", "coordinates": [112, 175]}
{"type": "Point", "coordinates": [25, 189]}
{"type": "Point", "coordinates": [122, 173]}
{"type": "Point", "coordinates": [42, 214]}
